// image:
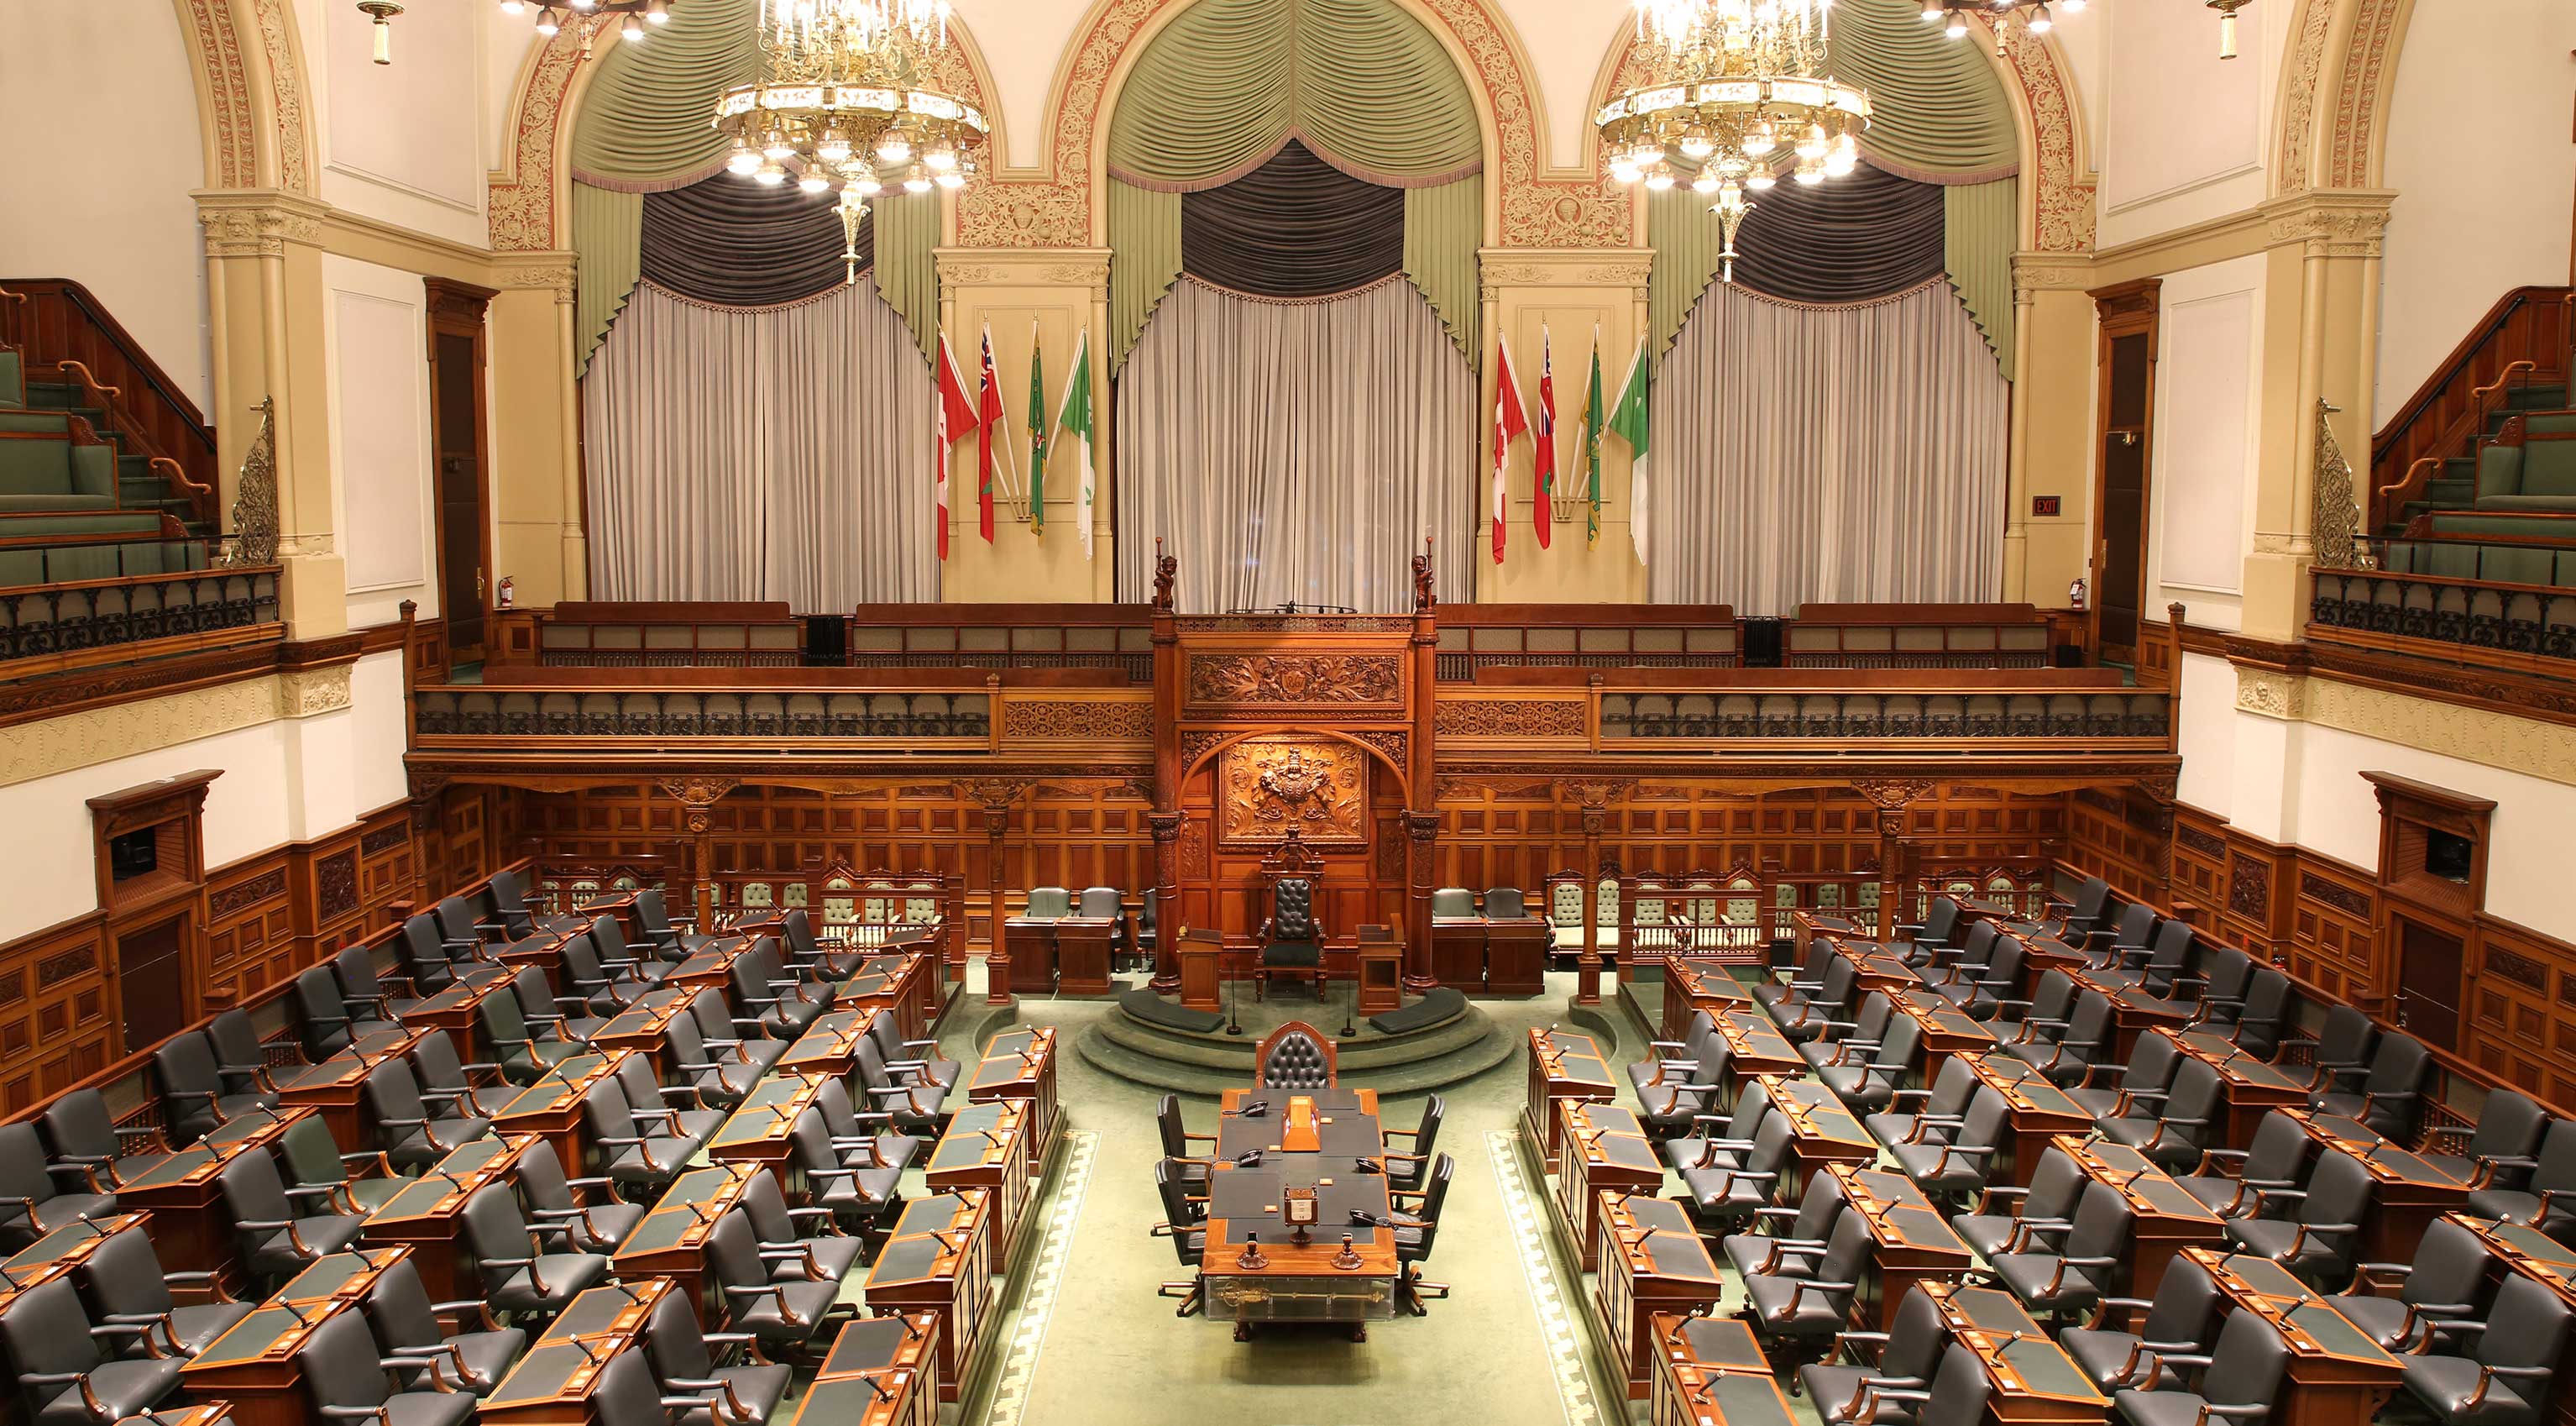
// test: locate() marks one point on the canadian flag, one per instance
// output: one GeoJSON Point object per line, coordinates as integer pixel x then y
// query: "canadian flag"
{"type": "Point", "coordinates": [956, 418]}
{"type": "Point", "coordinates": [1510, 424]}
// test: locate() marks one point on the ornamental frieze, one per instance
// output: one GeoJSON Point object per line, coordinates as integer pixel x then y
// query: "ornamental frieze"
{"type": "Point", "coordinates": [1296, 678]}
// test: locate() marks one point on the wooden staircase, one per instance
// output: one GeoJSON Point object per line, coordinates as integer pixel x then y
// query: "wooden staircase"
{"type": "Point", "coordinates": [75, 357]}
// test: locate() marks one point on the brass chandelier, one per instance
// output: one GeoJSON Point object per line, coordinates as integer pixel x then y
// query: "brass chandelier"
{"type": "Point", "coordinates": [844, 102]}
{"type": "Point", "coordinates": [1736, 92]}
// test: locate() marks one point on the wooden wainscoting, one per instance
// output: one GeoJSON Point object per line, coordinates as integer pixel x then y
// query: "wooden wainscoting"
{"type": "Point", "coordinates": [2121, 835]}
{"type": "Point", "coordinates": [2520, 1020]}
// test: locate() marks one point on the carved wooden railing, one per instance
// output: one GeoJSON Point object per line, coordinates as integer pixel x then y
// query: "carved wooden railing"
{"type": "Point", "coordinates": [67, 333]}
{"type": "Point", "coordinates": [2526, 627]}
{"type": "Point", "coordinates": [127, 614]}
{"type": "Point", "coordinates": [2522, 339]}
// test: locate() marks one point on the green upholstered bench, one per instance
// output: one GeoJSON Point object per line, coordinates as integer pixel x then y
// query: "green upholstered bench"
{"type": "Point", "coordinates": [2531, 465]}
{"type": "Point", "coordinates": [42, 468]}
{"type": "Point", "coordinates": [13, 379]}
{"type": "Point", "coordinates": [2477, 559]}
{"type": "Point", "coordinates": [23, 565]}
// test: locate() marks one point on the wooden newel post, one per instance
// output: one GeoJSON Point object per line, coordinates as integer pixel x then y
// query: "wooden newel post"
{"type": "Point", "coordinates": [1587, 976]}
{"type": "Point", "coordinates": [1165, 820]}
{"type": "Point", "coordinates": [1422, 829]}
{"type": "Point", "coordinates": [997, 956]}
{"type": "Point", "coordinates": [1166, 827]}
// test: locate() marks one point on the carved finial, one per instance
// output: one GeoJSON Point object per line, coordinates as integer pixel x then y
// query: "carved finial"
{"type": "Point", "coordinates": [1166, 570]}
{"type": "Point", "coordinates": [1424, 599]}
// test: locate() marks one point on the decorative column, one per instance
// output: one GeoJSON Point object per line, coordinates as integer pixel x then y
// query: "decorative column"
{"type": "Point", "coordinates": [1166, 818]}
{"type": "Point", "coordinates": [697, 797]}
{"type": "Point", "coordinates": [995, 796]}
{"type": "Point", "coordinates": [1595, 800]}
{"type": "Point", "coordinates": [1891, 796]}
{"type": "Point", "coordinates": [1421, 762]}
{"type": "Point", "coordinates": [2051, 433]}
{"type": "Point", "coordinates": [1423, 830]}
{"type": "Point", "coordinates": [537, 528]}
{"type": "Point", "coordinates": [1166, 827]}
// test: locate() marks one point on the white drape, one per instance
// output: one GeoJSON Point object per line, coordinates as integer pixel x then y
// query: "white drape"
{"type": "Point", "coordinates": [1838, 454]}
{"type": "Point", "coordinates": [776, 453]}
{"type": "Point", "coordinates": [1295, 450]}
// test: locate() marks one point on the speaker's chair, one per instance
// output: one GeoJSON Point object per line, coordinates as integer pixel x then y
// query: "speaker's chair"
{"type": "Point", "coordinates": [1292, 940]}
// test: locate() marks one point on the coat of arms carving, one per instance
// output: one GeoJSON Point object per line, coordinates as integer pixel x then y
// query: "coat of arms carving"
{"type": "Point", "coordinates": [1317, 786]}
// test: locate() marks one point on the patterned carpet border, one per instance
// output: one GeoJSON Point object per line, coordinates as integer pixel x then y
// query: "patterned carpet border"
{"type": "Point", "coordinates": [1019, 1366]}
{"type": "Point", "coordinates": [1559, 1332]}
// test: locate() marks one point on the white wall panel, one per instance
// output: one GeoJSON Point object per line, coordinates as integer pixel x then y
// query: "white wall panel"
{"type": "Point", "coordinates": [380, 439]}
{"type": "Point", "coordinates": [2184, 131]}
{"type": "Point", "coordinates": [2204, 457]}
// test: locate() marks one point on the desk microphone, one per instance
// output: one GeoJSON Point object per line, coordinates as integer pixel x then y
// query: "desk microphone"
{"type": "Point", "coordinates": [1249, 1158]}
{"type": "Point", "coordinates": [1367, 1219]}
{"type": "Point", "coordinates": [1254, 1110]}
{"type": "Point", "coordinates": [1369, 1166]}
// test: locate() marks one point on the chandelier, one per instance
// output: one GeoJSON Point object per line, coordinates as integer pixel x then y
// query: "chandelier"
{"type": "Point", "coordinates": [587, 18]}
{"type": "Point", "coordinates": [842, 103]}
{"type": "Point", "coordinates": [1952, 16]}
{"type": "Point", "coordinates": [1736, 92]}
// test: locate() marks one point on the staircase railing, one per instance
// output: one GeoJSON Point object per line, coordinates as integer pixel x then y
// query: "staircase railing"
{"type": "Point", "coordinates": [2523, 336]}
{"type": "Point", "coordinates": [65, 332]}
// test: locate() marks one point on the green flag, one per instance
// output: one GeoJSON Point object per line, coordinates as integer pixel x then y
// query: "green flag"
{"type": "Point", "coordinates": [1629, 420]}
{"type": "Point", "coordinates": [1592, 448]}
{"type": "Point", "coordinates": [1037, 434]}
{"type": "Point", "coordinates": [1073, 419]}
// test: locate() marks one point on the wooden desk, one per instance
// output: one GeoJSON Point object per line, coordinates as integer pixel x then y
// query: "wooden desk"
{"type": "Point", "coordinates": [1288, 1281]}
{"type": "Point", "coordinates": [552, 1384]}
{"type": "Point", "coordinates": [1755, 1048]}
{"type": "Point", "coordinates": [2250, 1087]}
{"type": "Point", "coordinates": [1064, 955]}
{"type": "Point", "coordinates": [1563, 1065]}
{"type": "Point", "coordinates": [2166, 1218]}
{"type": "Point", "coordinates": [670, 1241]}
{"type": "Point", "coordinates": [1202, 960]}
{"type": "Point", "coordinates": [711, 967]}
{"type": "Point", "coordinates": [939, 1260]}
{"type": "Point", "coordinates": [1709, 1370]}
{"type": "Point", "coordinates": [2338, 1375]}
{"type": "Point", "coordinates": [336, 1088]}
{"type": "Point", "coordinates": [61, 1251]}
{"type": "Point", "coordinates": [191, 1228]}
{"type": "Point", "coordinates": [1692, 988]}
{"type": "Point", "coordinates": [1020, 1064]}
{"type": "Point", "coordinates": [1910, 1242]}
{"type": "Point", "coordinates": [1947, 1029]}
{"type": "Point", "coordinates": [1877, 968]}
{"type": "Point", "coordinates": [2037, 1111]}
{"type": "Point", "coordinates": [1652, 1262]}
{"type": "Point", "coordinates": [424, 1213]}
{"type": "Point", "coordinates": [757, 1131]}
{"type": "Point", "coordinates": [644, 1027]}
{"type": "Point", "coordinates": [1506, 957]}
{"type": "Point", "coordinates": [1458, 952]}
{"type": "Point", "coordinates": [1821, 1132]}
{"type": "Point", "coordinates": [2408, 1193]}
{"type": "Point", "coordinates": [986, 1147]}
{"type": "Point", "coordinates": [2035, 1383]}
{"type": "Point", "coordinates": [830, 1046]}
{"type": "Point", "coordinates": [906, 983]}
{"type": "Point", "coordinates": [458, 1010]}
{"type": "Point", "coordinates": [551, 1107]}
{"type": "Point", "coordinates": [880, 1371]}
{"type": "Point", "coordinates": [257, 1363]}
{"type": "Point", "coordinates": [1606, 1151]}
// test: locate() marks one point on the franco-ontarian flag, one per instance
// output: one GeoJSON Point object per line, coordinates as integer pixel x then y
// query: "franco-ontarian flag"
{"type": "Point", "coordinates": [1629, 421]}
{"type": "Point", "coordinates": [1073, 429]}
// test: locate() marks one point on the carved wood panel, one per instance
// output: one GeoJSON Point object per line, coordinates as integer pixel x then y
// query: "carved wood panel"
{"type": "Point", "coordinates": [55, 1025]}
{"type": "Point", "coordinates": [2520, 1020]}
{"type": "Point", "coordinates": [2334, 915]}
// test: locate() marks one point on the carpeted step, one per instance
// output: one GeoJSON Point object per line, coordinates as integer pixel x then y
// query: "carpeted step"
{"type": "Point", "coordinates": [1153, 1072]}
{"type": "Point", "coordinates": [1440, 1004]}
{"type": "Point", "coordinates": [1234, 1052]}
{"type": "Point", "coordinates": [2536, 398]}
{"type": "Point", "coordinates": [2450, 494]}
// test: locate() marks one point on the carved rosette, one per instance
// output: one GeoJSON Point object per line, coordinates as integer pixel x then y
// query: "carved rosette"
{"type": "Point", "coordinates": [697, 797]}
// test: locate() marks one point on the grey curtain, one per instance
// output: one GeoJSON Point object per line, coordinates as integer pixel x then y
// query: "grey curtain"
{"type": "Point", "coordinates": [1295, 450]}
{"type": "Point", "coordinates": [1849, 453]}
{"type": "Point", "coordinates": [769, 453]}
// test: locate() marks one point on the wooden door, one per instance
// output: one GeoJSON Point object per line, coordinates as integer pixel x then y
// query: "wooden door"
{"type": "Point", "coordinates": [2428, 984]}
{"type": "Point", "coordinates": [2126, 407]}
{"type": "Point", "coordinates": [459, 454]}
{"type": "Point", "coordinates": [152, 982]}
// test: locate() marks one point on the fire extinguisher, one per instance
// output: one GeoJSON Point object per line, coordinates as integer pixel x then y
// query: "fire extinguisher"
{"type": "Point", "coordinates": [503, 599]}
{"type": "Point", "coordinates": [2074, 593]}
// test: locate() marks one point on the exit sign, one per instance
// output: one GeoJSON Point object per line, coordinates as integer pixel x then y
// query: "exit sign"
{"type": "Point", "coordinates": [2044, 504]}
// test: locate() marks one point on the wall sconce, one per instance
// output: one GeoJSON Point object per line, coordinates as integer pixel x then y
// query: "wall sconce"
{"type": "Point", "coordinates": [2227, 25]}
{"type": "Point", "coordinates": [381, 11]}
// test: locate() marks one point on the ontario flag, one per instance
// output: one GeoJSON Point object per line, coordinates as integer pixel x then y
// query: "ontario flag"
{"type": "Point", "coordinates": [1543, 444]}
{"type": "Point", "coordinates": [956, 417]}
{"type": "Point", "coordinates": [1510, 423]}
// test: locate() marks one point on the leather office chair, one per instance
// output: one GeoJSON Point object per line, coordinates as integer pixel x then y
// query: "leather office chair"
{"type": "Point", "coordinates": [2275, 1159]}
{"type": "Point", "coordinates": [2172, 1128]}
{"type": "Point", "coordinates": [519, 1274]}
{"type": "Point", "coordinates": [2183, 1319]}
{"type": "Point", "coordinates": [524, 1050]}
{"type": "Point", "coordinates": [901, 1089]}
{"type": "Point", "coordinates": [1844, 1387]}
{"type": "Point", "coordinates": [460, 920]}
{"type": "Point", "coordinates": [414, 1328]}
{"type": "Point", "coordinates": [1803, 1015]}
{"type": "Point", "coordinates": [275, 1241]}
{"type": "Point", "coordinates": [2109, 1091]}
{"type": "Point", "coordinates": [1405, 1170]}
{"type": "Point", "coordinates": [1453, 903]}
{"type": "Point", "coordinates": [405, 1129]}
{"type": "Point", "coordinates": [64, 1376]}
{"type": "Point", "coordinates": [1910, 1112]}
{"type": "Point", "coordinates": [349, 1378]}
{"type": "Point", "coordinates": [676, 1346]}
{"type": "Point", "coordinates": [856, 1187]}
{"type": "Point", "coordinates": [2547, 1198]}
{"type": "Point", "coordinates": [863, 1137]}
{"type": "Point", "coordinates": [596, 988]}
{"type": "Point", "coordinates": [1867, 1024]}
{"type": "Point", "coordinates": [673, 938]}
{"type": "Point", "coordinates": [1504, 903]}
{"type": "Point", "coordinates": [2159, 971]}
{"type": "Point", "coordinates": [2238, 1382]}
{"type": "Point", "coordinates": [2258, 1024]}
{"type": "Point", "coordinates": [568, 1016]}
{"type": "Point", "coordinates": [1181, 1223]}
{"type": "Point", "coordinates": [1295, 1056]}
{"type": "Point", "coordinates": [1938, 928]}
{"type": "Point", "coordinates": [784, 1242]}
{"type": "Point", "coordinates": [2315, 1245]}
{"type": "Point", "coordinates": [925, 1053]}
{"type": "Point", "coordinates": [720, 1077]}
{"type": "Point", "coordinates": [1719, 1141]}
{"type": "Point", "coordinates": [1177, 1141]}
{"type": "Point", "coordinates": [1049, 903]}
{"type": "Point", "coordinates": [2066, 1272]}
{"type": "Point", "coordinates": [363, 986]}
{"type": "Point", "coordinates": [1961, 1391]}
{"type": "Point", "coordinates": [124, 1281]}
{"type": "Point", "coordinates": [1776, 1228]}
{"type": "Point", "coordinates": [802, 951]}
{"type": "Point", "coordinates": [2133, 929]}
{"type": "Point", "coordinates": [1292, 940]}
{"type": "Point", "coordinates": [326, 1020]}
{"type": "Point", "coordinates": [725, 1033]}
{"type": "Point", "coordinates": [1987, 966]}
{"type": "Point", "coordinates": [597, 1222]}
{"type": "Point", "coordinates": [1148, 929]}
{"type": "Point", "coordinates": [2389, 1094]}
{"type": "Point", "coordinates": [646, 1094]}
{"type": "Point", "coordinates": [447, 1081]}
{"type": "Point", "coordinates": [239, 1056]}
{"type": "Point", "coordinates": [2225, 974]}
{"type": "Point", "coordinates": [2078, 918]}
{"type": "Point", "coordinates": [1103, 903]}
{"type": "Point", "coordinates": [607, 936]}
{"type": "Point", "coordinates": [1795, 1312]}
{"type": "Point", "coordinates": [644, 1146]}
{"type": "Point", "coordinates": [1415, 1233]}
{"type": "Point", "coordinates": [1807, 974]}
{"type": "Point", "coordinates": [1689, 1092]}
{"type": "Point", "coordinates": [1866, 1081]}
{"type": "Point", "coordinates": [2447, 1282]}
{"type": "Point", "coordinates": [194, 1096]}
{"type": "Point", "coordinates": [433, 962]}
{"type": "Point", "coordinates": [37, 1197]}
{"type": "Point", "coordinates": [1673, 1057]}
{"type": "Point", "coordinates": [2056, 1184]}
{"type": "Point", "coordinates": [2064, 1049]}
{"type": "Point", "coordinates": [2507, 1132]}
{"type": "Point", "coordinates": [518, 912]}
{"type": "Point", "coordinates": [2341, 1050]}
{"type": "Point", "coordinates": [783, 1315]}
{"type": "Point", "coordinates": [1725, 1195]}
{"type": "Point", "coordinates": [317, 1173]}
{"type": "Point", "coordinates": [1953, 1161]}
{"type": "Point", "coordinates": [2504, 1380]}
{"type": "Point", "coordinates": [627, 1395]}
{"type": "Point", "coordinates": [763, 985]}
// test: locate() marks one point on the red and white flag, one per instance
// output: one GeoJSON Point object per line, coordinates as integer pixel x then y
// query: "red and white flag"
{"type": "Point", "coordinates": [1510, 423]}
{"type": "Point", "coordinates": [1543, 444]}
{"type": "Point", "coordinates": [956, 416]}
{"type": "Point", "coordinates": [988, 419]}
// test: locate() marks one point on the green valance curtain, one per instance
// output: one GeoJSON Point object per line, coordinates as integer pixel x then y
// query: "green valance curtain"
{"type": "Point", "coordinates": [1361, 83]}
{"type": "Point", "coordinates": [646, 126]}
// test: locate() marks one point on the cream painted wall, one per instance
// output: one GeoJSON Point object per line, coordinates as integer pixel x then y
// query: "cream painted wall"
{"type": "Point", "coordinates": [375, 331]}
{"type": "Point", "coordinates": [2208, 743]}
{"type": "Point", "coordinates": [129, 231]}
{"type": "Point", "coordinates": [2479, 153]}
{"type": "Point", "coordinates": [2183, 135]}
{"type": "Point", "coordinates": [401, 142]}
{"type": "Point", "coordinates": [2202, 482]}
